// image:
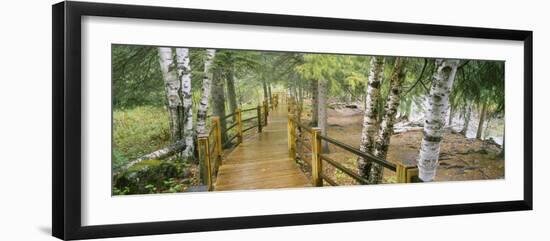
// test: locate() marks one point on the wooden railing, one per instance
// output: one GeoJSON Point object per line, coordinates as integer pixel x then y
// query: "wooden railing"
{"type": "Point", "coordinates": [210, 146]}
{"type": "Point", "coordinates": [297, 142]}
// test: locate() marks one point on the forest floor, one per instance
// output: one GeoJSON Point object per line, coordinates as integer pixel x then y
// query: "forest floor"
{"type": "Point", "coordinates": [461, 158]}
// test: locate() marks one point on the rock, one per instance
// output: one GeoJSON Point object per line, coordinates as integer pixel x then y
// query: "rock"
{"type": "Point", "coordinates": [482, 151]}
{"type": "Point", "coordinates": [149, 172]}
{"type": "Point", "coordinates": [185, 173]}
{"type": "Point", "coordinates": [444, 156]}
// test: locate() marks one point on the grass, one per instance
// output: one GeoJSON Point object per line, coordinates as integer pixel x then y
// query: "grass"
{"type": "Point", "coordinates": [138, 131]}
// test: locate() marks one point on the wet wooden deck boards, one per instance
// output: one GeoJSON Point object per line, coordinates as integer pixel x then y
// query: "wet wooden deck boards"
{"type": "Point", "coordinates": [261, 161]}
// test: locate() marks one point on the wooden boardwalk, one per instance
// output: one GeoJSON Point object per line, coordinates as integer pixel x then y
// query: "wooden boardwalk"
{"type": "Point", "coordinates": [261, 161]}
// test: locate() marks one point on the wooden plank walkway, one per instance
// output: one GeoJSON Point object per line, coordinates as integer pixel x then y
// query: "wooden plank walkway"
{"type": "Point", "coordinates": [261, 161]}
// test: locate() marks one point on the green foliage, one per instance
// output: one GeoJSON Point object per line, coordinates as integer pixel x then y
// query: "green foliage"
{"type": "Point", "coordinates": [150, 176]}
{"type": "Point", "coordinates": [140, 118]}
{"type": "Point", "coordinates": [138, 131]}
{"type": "Point", "coordinates": [136, 76]}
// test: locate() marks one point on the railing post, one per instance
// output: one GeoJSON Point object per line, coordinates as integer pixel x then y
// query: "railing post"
{"type": "Point", "coordinates": [239, 125]}
{"type": "Point", "coordinates": [218, 138]}
{"type": "Point", "coordinates": [291, 137]}
{"type": "Point", "coordinates": [266, 112]}
{"type": "Point", "coordinates": [204, 156]}
{"type": "Point", "coordinates": [259, 114]}
{"type": "Point", "coordinates": [405, 174]}
{"type": "Point", "coordinates": [316, 164]}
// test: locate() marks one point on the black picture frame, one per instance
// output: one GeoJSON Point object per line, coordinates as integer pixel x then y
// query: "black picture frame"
{"type": "Point", "coordinates": [66, 153]}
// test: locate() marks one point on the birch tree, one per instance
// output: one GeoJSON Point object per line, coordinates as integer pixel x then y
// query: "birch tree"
{"type": "Point", "coordinates": [382, 140]}
{"type": "Point", "coordinates": [437, 106]}
{"type": "Point", "coordinates": [184, 73]}
{"type": "Point", "coordinates": [172, 87]}
{"type": "Point", "coordinates": [370, 121]}
{"type": "Point", "coordinates": [205, 89]}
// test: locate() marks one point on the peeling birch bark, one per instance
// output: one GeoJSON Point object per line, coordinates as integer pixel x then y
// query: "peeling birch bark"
{"type": "Point", "coordinates": [205, 89]}
{"type": "Point", "coordinates": [172, 88]}
{"type": "Point", "coordinates": [437, 106]}
{"type": "Point", "coordinates": [382, 141]}
{"type": "Point", "coordinates": [370, 121]}
{"type": "Point", "coordinates": [184, 72]}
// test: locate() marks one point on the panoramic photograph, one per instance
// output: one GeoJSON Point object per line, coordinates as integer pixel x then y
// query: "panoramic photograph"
{"type": "Point", "coordinates": [188, 119]}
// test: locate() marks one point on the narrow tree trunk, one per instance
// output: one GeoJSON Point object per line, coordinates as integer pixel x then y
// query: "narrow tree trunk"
{"type": "Point", "coordinates": [218, 100]}
{"type": "Point", "coordinates": [451, 115]}
{"type": "Point", "coordinates": [370, 118]}
{"type": "Point", "coordinates": [184, 72]}
{"type": "Point", "coordinates": [482, 115]}
{"type": "Point", "coordinates": [467, 117]}
{"type": "Point", "coordinates": [172, 88]}
{"type": "Point", "coordinates": [382, 141]}
{"type": "Point", "coordinates": [202, 111]}
{"type": "Point", "coordinates": [486, 129]}
{"type": "Point", "coordinates": [322, 112]}
{"type": "Point", "coordinates": [300, 99]}
{"type": "Point", "coordinates": [269, 91]}
{"type": "Point", "coordinates": [314, 102]}
{"type": "Point", "coordinates": [265, 90]}
{"type": "Point", "coordinates": [437, 106]}
{"type": "Point", "coordinates": [501, 154]}
{"type": "Point", "coordinates": [232, 96]}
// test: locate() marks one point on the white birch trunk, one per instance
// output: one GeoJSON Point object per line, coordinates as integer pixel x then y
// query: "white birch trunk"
{"type": "Point", "coordinates": [184, 72]}
{"type": "Point", "coordinates": [172, 88]}
{"type": "Point", "coordinates": [205, 97]}
{"type": "Point", "coordinates": [437, 106]}
{"type": "Point", "coordinates": [382, 141]}
{"type": "Point", "coordinates": [370, 121]}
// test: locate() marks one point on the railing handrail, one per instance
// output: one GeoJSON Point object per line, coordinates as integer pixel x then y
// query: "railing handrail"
{"type": "Point", "coordinates": [216, 148]}
{"type": "Point", "coordinates": [301, 125]}
{"type": "Point", "coordinates": [404, 173]}
{"type": "Point", "coordinates": [249, 109]}
{"type": "Point", "coordinates": [366, 155]}
{"type": "Point", "coordinates": [356, 151]}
